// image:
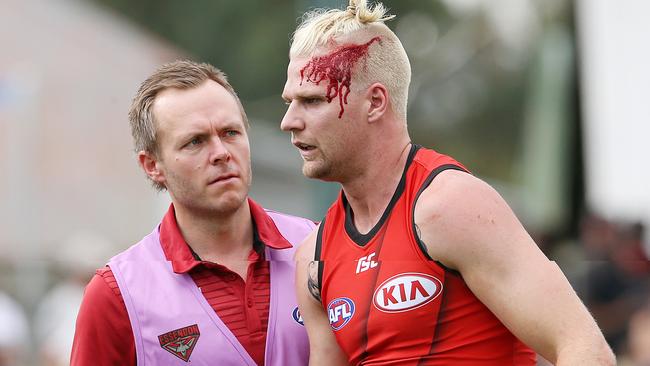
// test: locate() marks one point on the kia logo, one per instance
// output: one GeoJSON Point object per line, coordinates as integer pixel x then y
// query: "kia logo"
{"type": "Point", "coordinates": [406, 291]}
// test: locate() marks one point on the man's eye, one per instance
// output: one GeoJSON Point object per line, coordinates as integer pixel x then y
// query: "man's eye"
{"type": "Point", "coordinates": [232, 133]}
{"type": "Point", "coordinates": [195, 141]}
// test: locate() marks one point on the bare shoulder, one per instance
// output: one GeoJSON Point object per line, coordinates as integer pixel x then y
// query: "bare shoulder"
{"type": "Point", "coordinates": [457, 198]}
{"type": "Point", "coordinates": [454, 189]}
{"type": "Point", "coordinates": [459, 216]}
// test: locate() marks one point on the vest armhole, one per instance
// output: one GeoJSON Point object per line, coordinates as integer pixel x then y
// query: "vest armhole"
{"type": "Point", "coordinates": [317, 255]}
{"type": "Point", "coordinates": [319, 241]}
{"type": "Point", "coordinates": [416, 230]}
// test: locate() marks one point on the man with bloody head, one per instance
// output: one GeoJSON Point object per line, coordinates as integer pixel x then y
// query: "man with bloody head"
{"type": "Point", "coordinates": [417, 262]}
{"type": "Point", "coordinates": [213, 282]}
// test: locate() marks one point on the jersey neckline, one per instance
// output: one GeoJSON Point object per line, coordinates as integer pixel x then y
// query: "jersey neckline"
{"type": "Point", "coordinates": [363, 239]}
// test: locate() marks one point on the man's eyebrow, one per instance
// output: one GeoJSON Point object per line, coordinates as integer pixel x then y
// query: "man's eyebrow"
{"type": "Point", "coordinates": [310, 95]}
{"type": "Point", "coordinates": [192, 132]}
{"type": "Point", "coordinates": [232, 125]}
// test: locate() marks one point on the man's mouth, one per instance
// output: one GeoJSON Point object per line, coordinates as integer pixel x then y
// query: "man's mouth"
{"type": "Point", "coordinates": [304, 147]}
{"type": "Point", "coordinates": [222, 178]}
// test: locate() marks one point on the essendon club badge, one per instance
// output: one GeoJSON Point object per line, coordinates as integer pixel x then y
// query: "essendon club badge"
{"type": "Point", "coordinates": [180, 342]}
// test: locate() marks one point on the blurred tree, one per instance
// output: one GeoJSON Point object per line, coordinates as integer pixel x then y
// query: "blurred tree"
{"type": "Point", "coordinates": [471, 62]}
{"type": "Point", "coordinates": [247, 39]}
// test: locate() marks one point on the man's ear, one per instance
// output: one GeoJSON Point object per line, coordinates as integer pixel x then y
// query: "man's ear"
{"type": "Point", "coordinates": [378, 97]}
{"type": "Point", "coordinates": [151, 166]}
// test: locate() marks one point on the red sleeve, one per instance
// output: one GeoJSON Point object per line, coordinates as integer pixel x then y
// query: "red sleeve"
{"type": "Point", "coordinates": [103, 334]}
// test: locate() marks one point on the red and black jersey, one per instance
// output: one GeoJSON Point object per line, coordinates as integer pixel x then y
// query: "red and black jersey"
{"type": "Point", "coordinates": [389, 303]}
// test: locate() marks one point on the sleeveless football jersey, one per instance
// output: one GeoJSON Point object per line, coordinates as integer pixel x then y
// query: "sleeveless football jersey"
{"type": "Point", "coordinates": [389, 303]}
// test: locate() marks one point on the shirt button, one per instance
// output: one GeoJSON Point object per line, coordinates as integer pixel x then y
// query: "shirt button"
{"type": "Point", "coordinates": [249, 302]}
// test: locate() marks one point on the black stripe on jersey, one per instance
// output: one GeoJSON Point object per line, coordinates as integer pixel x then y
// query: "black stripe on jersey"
{"type": "Point", "coordinates": [440, 325]}
{"type": "Point", "coordinates": [363, 239]}
{"type": "Point", "coordinates": [319, 241]}
{"type": "Point", "coordinates": [317, 258]}
{"type": "Point", "coordinates": [366, 316]}
{"type": "Point", "coordinates": [424, 186]}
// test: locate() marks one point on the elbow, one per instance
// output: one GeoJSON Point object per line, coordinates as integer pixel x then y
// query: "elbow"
{"type": "Point", "coordinates": [607, 357]}
{"type": "Point", "coordinates": [602, 354]}
{"type": "Point", "coordinates": [595, 353]}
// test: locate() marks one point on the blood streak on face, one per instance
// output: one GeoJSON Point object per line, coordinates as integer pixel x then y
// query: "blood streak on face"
{"type": "Point", "coordinates": [337, 69]}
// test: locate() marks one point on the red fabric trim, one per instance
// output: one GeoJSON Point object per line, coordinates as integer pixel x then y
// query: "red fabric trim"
{"type": "Point", "coordinates": [178, 252]}
{"type": "Point", "coordinates": [266, 229]}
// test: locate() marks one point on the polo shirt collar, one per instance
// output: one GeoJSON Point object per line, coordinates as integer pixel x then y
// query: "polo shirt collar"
{"type": "Point", "coordinates": [180, 254]}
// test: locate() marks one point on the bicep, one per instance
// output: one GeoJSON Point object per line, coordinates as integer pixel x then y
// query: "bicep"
{"type": "Point", "coordinates": [536, 302]}
{"type": "Point", "coordinates": [478, 235]}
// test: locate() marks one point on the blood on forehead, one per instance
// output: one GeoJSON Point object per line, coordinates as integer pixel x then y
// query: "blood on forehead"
{"type": "Point", "coordinates": [336, 67]}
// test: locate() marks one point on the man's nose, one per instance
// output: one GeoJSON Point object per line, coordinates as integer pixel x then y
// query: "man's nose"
{"type": "Point", "coordinates": [292, 120]}
{"type": "Point", "coordinates": [218, 151]}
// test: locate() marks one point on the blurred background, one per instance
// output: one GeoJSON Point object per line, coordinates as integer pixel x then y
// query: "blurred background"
{"type": "Point", "coordinates": [544, 99]}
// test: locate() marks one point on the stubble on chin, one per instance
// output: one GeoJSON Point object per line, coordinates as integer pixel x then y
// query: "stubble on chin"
{"type": "Point", "coordinates": [225, 205]}
{"type": "Point", "coordinates": [230, 200]}
{"type": "Point", "coordinates": [220, 204]}
{"type": "Point", "coordinates": [316, 170]}
{"type": "Point", "coordinates": [229, 206]}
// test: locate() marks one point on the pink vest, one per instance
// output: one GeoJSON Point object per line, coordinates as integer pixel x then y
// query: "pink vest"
{"type": "Point", "coordinates": [173, 324]}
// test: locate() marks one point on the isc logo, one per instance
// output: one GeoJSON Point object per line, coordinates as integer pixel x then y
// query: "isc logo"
{"type": "Point", "coordinates": [340, 312]}
{"type": "Point", "coordinates": [406, 291]}
{"type": "Point", "coordinates": [365, 263]}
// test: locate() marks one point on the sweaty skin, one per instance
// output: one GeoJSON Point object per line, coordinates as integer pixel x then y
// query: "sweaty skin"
{"type": "Point", "coordinates": [336, 67]}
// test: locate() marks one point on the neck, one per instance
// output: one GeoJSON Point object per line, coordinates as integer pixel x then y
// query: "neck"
{"type": "Point", "coordinates": [370, 192]}
{"type": "Point", "coordinates": [223, 238]}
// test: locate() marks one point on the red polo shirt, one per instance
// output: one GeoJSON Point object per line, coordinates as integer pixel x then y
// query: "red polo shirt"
{"type": "Point", "coordinates": [103, 333]}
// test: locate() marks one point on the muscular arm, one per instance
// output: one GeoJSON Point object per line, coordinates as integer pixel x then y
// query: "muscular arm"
{"type": "Point", "coordinates": [467, 226]}
{"type": "Point", "coordinates": [323, 349]}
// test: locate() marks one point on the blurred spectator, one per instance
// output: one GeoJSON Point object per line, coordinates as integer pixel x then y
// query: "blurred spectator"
{"type": "Point", "coordinates": [54, 321]}
{"type": "Point", "coordinates": [597, 236]}
{"type": "Point", "coordinates": [14, 332]}
{"type": "Point", "coordinates": [638, 338]}
{"type": "Point", "coordinates": [618, 280]}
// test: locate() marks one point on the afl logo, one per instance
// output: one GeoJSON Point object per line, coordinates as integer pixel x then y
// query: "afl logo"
{"type": "Point", "coordinates": [406, 291]}
{"type": "Point", "coordinates": [340, 312]}
{"type": "Point", "coordinates": [297, 317]}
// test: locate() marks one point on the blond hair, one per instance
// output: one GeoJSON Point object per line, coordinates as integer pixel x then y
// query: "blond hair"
{"type": "Point", "coordinates": [387, 64]}
{"type": "Point", "coordinates": [181, 74]}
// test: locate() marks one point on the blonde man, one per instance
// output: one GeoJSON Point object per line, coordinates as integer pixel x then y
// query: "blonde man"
{"type": "Point", "coordinates": [213, 283]}
{"type": "Point", "coordinates": [417, 262]}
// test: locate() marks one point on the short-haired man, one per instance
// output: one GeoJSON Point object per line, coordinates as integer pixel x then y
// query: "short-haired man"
{"type": "Point", "coordinates": [213, 283]}
{"type": "Point", "coordinates": [417, 262]}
